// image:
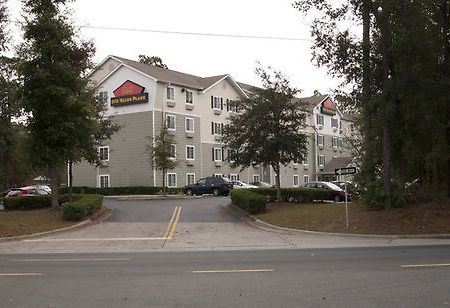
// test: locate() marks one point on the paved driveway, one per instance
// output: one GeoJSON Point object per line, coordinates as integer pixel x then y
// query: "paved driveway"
{"type": "Point", "coordinates": [188, 224]}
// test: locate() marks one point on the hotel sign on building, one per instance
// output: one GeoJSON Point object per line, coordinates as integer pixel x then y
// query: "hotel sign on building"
{"type": "Point", "coordinates": [129, 93]}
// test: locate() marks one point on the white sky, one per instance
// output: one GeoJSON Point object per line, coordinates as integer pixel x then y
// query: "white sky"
{"type": "Point", "coordinates": [199, 55]}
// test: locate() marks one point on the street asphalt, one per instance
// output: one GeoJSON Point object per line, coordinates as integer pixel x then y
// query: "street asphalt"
{"type": "Point", "coordinates": [412, 276]}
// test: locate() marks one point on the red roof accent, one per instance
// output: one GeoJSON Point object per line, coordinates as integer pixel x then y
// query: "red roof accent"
{"type": "Point", "coordinates": [328, 104]}
{"type": "Point", "coordinates": [128, 88]}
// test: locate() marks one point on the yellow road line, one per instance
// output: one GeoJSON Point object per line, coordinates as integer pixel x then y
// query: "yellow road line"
{"type": "Point", "coordinates": [425, 265]}
{"type": "Point", "coordinates": [234, 271]}
{"type": "Point", "coordinates": [169, 226]}
{"type": "Point", "coordinates": [20, 274]}
{"type": "Point", "coordinates": [174, 225]}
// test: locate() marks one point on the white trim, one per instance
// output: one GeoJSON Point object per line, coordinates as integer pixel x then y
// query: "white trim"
{"type": "Point", "coordinates": [233, 83]}
{"type": "Point", "coordinates": [187, 175]}
{"type": "Point", "coordinates": [185, 96]}
{"type": "Point", "coordinates": [235, 177]}
{"type": "Point", "coordinates": [136, 70]}
{"type": "Point", "coordinates": [306, 176]}
{"type": "Point", "coordinates": [176, 180]}
{"type": "Point", "coordinates": [100, 181]}
{"type": "Point", "coordinates": [293, 180]}
{"type": "Point", "coordinates": [175, 147]}
{"type": "Point", "coordinates": [153, 144]}
{"type": "Point", "coordinates": [193, 153]}
{"type": "Point", "coordinates": [257, 175]}
{"type": "Point", "coordinates": [103, 147]}
{"type": "Point", "coordinates": [173, 90]}
{"type": "Point", "coordinates": [193, 125]}
{"type": "Point", "coordinates": [174, 121]}
{"type": "Point", "coordinates": [221, 153]}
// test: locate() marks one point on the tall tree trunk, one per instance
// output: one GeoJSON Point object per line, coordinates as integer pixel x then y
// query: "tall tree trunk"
{"type": "Point", "coordinates": [386, 102]}
{"type": "Point", "coordinates": [276, 168]}
{"type": "Point", "coordinates": [70, 180]}
{"type": "Point", "coordinates": [54, 184]}
{"type": "Point", "coordinates": [366, 52]}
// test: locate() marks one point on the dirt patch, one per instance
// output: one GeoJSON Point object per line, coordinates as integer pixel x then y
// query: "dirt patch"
{"type": "Point", "coordinates": [330, 217]}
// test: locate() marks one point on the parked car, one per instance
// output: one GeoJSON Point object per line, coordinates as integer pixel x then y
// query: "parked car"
{"type": "Point", "coordinates": [262, 184]}
{"type": "Point", "coordinates": [240, 185]}
{"type": "Point", "coordinates": [353, 190]}
{"type": "Point", "coordinates": [210, 185]}
{"type": "Point", "coordinates": [335, 192]}
{"type": "Point", "coordinates": [27, 191]}
{"type": "Point", "coordinates": [6, 192]}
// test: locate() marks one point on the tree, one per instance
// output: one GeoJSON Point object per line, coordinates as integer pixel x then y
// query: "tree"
{"type": "Point", "coordinates": [152, 60]}
{"type": "Point", "coordinates": [397, 81]}
{"type": "Point", "coordinates": [162, 155]}
{"type": "Point", "coordinates": [64, 119]}
{"type": "Point", "coordinates": [267, 129]}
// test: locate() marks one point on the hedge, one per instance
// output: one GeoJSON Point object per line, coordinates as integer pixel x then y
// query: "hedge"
{"type": "Point", "coordinates": [299, 195]}
{"type": "Point", "coordinates": [85, 205]}
{"type": "Point", "coordinates": [117, 191]}
{"type": "Point", "coordinates": [248, 200]}
{"type": "Point", "coordinates": [27, 203]}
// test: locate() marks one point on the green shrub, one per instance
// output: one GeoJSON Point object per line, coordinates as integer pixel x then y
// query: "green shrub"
{"type": "Point", "coordinates": [374, 196]}
{"type": "Point", "coordinates": [117, 191]}
{"type": "Point", "coordinates": [84, 206]}
{"type": "Point", "coordinates": [248, 200]}
{"type": "Point", "coordinates": [299, 195]}
{"type": "Point", "coordinates": [27, 203]}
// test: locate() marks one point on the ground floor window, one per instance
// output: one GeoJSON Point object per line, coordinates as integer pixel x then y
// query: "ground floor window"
{"type": "Point", "coordinates": [104, 180]}
{"type": "Point", "coordinates": [295, 180]}
{"type": "Point", "coordinates": [171, 180]}
{"type": "Point", "coordinates": [256, 178]}
{"type": "Point", "coordinates": [218, 175]}
{"type": "Point", "coordinates": [306, 179]}
{"type": "Point", "coordinates": [234, 177]}
{"type": "Point", "coordinates": [190, 178]}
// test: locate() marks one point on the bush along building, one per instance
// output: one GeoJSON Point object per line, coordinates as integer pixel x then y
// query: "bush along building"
{"type": "Point", "coordinates": [142, 97]}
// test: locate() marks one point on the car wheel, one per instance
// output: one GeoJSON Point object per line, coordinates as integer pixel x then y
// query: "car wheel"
{"type": "Point", "coordinates": [189, 192]}
{"type": "Point", "coordinates": [337, 198]}
{"type": "Point", "coordinates": [216, 192]}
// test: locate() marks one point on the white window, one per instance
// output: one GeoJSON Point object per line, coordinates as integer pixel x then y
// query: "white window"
{"type": "Point", "coordinates": [306, 179]}
{"type": "Point", "coordinates": [170, 94]}
{"type": "Point", "coordinates": [340, 143]}
{"type": "Point", "coordinates": [190, 178]}
{"type": "Point", "coordinates": [171, 180]}
{"type": "Point", "coordinates": [190, 152]}
{"type": "Point", "coordinates": [322, 160]}
{"type": "Point", "coordinates": [173, 151]}
{"type": "Point", "coordinates": [103, 153]}
{"type": "Point", "coordinates": [334, 142]}
{"type": "Point", "coordinates": [103, 98]}
{"type": "Point", "coordinates": [189, 97]}
{"type": "Point", "coordinates": [334, 123]}
{"type": "Point", "coordinates": [103, 180]}
{"type": "Point", "coordinates": [216, 102]}
{"type": "Point", "coordinates": [217, 154]}
{"type": "Point", "coordinates": [320, 140]}
{"type": "Point", "coordinates": [171, 122]}
{"type": "Point", "coordinates": [305, 159]}
{"type": "Point", "coordinates": [319, 119]}
{"type": "Point", "coordinates": [218, 175]}
{"type": "Point", "coordinates": [296, 180]}
{"type": "Point", "coordinates": [256, 178]}
{"type": "Point", "coordinates": [190, 125]}
{"type": "Point", "coordinates": [233, 177]}
{"type": "Point", "coordinates": [216, 128]}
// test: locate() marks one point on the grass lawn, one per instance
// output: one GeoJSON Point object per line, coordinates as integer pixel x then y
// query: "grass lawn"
{"type": "Point", "coordinates": [330, 217]}
{"type": "Point", "coordinates": [13, 223]}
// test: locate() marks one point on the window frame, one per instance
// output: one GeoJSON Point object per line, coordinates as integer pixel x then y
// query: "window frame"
{"type": "Point", "coordinates": [334, 142]}
{"type": "Point", "coordinates": [320, 137]}
{"type": "Point", "coordinates": [294, 178]}
{"type": "Point", "coordinates": [173, 150]}
{"type": "Point", "coordinates": [217, 99]}
{"type": "Point", "coordinates": [322, 121]}
{"type": "Point", "coordinates": [256, 178]}
{"type": "Point", "coordinates": [174, 122]}
{"type": "Point", "coordinates": [169, 174]}
{"type": "Point", "coordinates": [172, 90]}
{"type": "Point", "coordinates": [217, 150]}
{"type": "Point", "coordinates": [187, 178]}
{"type": "Point", "coordinates": [319, 159]}
{"type": "Point", "coordinates": [100, 152]}
{"type": "Point", "coordinates": [191, 102]}
{"type": "Point", "coordinates": [186, 125]}
{"type": "Point", "coordinates": [100, 176]}
{"type": "Point", "coordinates": [306, 179]}
{"type": "Point", "coordinates": [193, 152]}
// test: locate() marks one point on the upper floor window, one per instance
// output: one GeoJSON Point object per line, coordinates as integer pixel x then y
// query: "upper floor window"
{"type": "Point", "coordinates": [189, 97]}
{"type": "Point", "coordinates": [319, 119]}
{"type": "Point", "coordinates": [189, 125]}
{"type": "Point", "coordinates": [216, 128]}
{"type": "Point", "coordinates": [334, 123]}
{"type": "Point", "coordinates": [322, 160]}
{"type": "Point", "coordinates": [103, 97]}
{"type": "Point", "coordinates": [334, 142]}
{"type": "Point", "coordinates": [173, 151]}
{"type": "Point", "coordinates": [305, 159]}
{"type": "Point", "coordinates": [232, 106]}
{"type": "Point", "coordinates": [170, 94]}
{"type": "Point", "coordinates": [103, 153]}
{"type": "Point", "coordinates": [190, 152]}
{"type": "Point", "coordinates": [320, 140]}
{"type": "Point", "coordinates": [217, 154]}
{"type": "Point", "coordinates": [171, 122]}
{"type": "Point", "coordinates": [217, 102]}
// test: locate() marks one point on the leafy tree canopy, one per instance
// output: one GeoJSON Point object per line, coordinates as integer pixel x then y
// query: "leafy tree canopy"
{"type": "Point", "coordinates": [152, 60]}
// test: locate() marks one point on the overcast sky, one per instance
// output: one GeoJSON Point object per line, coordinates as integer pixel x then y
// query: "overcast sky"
{"type": "Point", "coordinates": [204, 55]}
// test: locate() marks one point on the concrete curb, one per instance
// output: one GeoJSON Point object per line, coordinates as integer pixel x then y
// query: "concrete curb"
{"type": "Point", "coordinates": [150, 197]}
{"type": "Point", "coordinates": [264, 226]}
{"type": "Point", "coordinates": [85, 223]}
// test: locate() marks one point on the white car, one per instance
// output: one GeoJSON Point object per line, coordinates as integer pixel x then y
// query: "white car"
{"type": "Point", "coordinates": [240, 184]}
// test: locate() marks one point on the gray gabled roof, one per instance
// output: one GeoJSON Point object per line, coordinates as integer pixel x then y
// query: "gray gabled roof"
{"type": "Point", "coordinates": [173, 77]}
{"type": "Point", "coordinates": [335, 163]}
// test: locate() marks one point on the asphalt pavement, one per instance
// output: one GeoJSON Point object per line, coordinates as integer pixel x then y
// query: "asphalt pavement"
{"type": "Point", "coordinates": [352, 277]}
